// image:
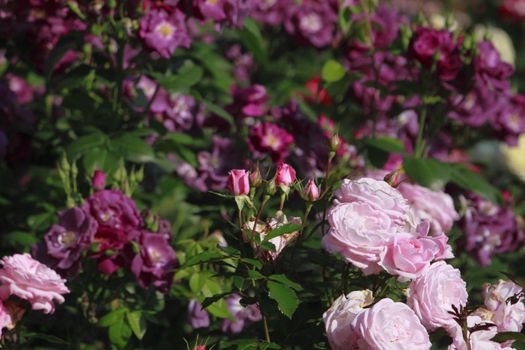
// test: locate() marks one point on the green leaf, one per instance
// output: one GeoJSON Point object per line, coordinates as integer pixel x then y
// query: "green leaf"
{"type": "Point", "coordinates": [47, 337]}
{"type": "Point", "coordinates": [284, 229]}
{"type": "Point", "coordinates": [137, 323]}
{"type": "Point", "coordinates": [253, 262]}
{"type": "Point", "coordinates": [188, 75]}
{"type": "Point", "coordinates": [24, 239]}
{"type": "Point", "coordinates": [285, 297]}
{"type": "Point", "coordinates": [210, 300]}
{"type": "Point", "coordinates": [284, 280]}
{"type": "Point", "coordinates": [133, 148]}
{"type": "Point", "coordinates": [504, 336]}
{"type": "Point", "coordinates": [219, 111]}
{"type": "Point", "coordinates": [253, 40]}
{"type": "Point", "coordinates": [85, 143]}
{"type": "Point", "coordinates": [112, 317]}
{"type": "Point", "coordinates": [427, 172]}
{"type": "Point", "coordinates": [332, 71]}
{"type": "Point", "coordinates": [203, 258]}
{"type": "Point", "coordinates": [386, 144]}
{"type": "Point", "coordinates": [119, 333]}
{"type": "Point", "coordinates": [474, 182]}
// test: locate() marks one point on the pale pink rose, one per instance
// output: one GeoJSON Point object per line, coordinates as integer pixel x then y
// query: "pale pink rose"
{"type": "Point", "coordinates": [376, 193]}
{"type": "Point", "coordinates": [5, 317]}
{"type": "Point", "coordinates": [311, 191]}
{"type": "Point", "coordinates": [389, 325]}
{"type": "Point", "coordinates": [479, 340]}
{"type": "Point", "coordinates": [508, 316]}
{"type": "Point", "coordinates": [338, 319]}
{"type": "Point", "coordinates": [433, 293]}
{"type": "Point", "coordinates": [359, 232]}
{"type": "Point", "coordinates": [30, 280]}
{"type": "Point", "coordinates": [436, 207]}
{"type": "Point", "coordinates": [239, 182]}
{"type": "Point", "coordinates": [285, 175]}
{"type": "Point", "coordinates": [408, 256]}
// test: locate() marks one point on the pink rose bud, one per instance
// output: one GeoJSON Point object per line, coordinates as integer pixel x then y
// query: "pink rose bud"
{"type": "Point", "coordinates": [239, 182]}
{"type": "Point", "coordinates": [311, 191]}
{"type": "Point", "coordinates": [285, 175]}
{"type": "Point", "coordinates": [256, 178]}
{"type": "Point", "coordinates": [200, 347]}
{"type": "Point", "coordinates": [98, 181]}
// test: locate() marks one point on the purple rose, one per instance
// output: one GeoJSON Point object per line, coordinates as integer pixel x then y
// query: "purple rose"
{"type": "Point", "coordinates": [248, 102]}
{"type": "Point", "coordinates": [271, 12]}
{"type": "Point", "coordinates": [113, 209]}
{"type": "Point", "coordinates": [156, 261]}
{"type": "Point", "coordinates": [197, 316]}
{"type": "Point", "coordinates": [242, 316]}
{"type": "Point", "coordinates": [230, 12]}
{"type": "Point", "coordinates": [489, 229]}
{"type": "Point", "coordinates": [66, 241]}
{"type": "Point", "coordinates": [313, 22]}
{"type": "Point", "coordinates": [178, 111]}
{"type": "Point", "coordinates": [268, 138]}
{"type": "Point", "coordinates": [164, 31]}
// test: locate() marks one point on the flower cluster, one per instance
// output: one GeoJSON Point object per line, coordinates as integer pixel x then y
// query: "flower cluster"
{"type": "Point", "coordinates": [373, 227]}
{"type": "Point", "coordinates": [109, 228]}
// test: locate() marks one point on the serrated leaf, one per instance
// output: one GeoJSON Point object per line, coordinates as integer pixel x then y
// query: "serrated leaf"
{"type": "Point", "coordinates": [386, 144]}
{"type": "Point", "coordinates": [137, 323]}
{"type": "Point", "coordinates": [112, 317]}
{"type": "Point", "coordinates": [332, 71]}
{"type": "Point", "coordinates": [427, 172]}
{"type": "Point", "coordinates": [284, 229]}
{"type": "Point", "coordinates": [285, 297]}
{"type": "Point", "coordinates": [504, 336]}
{"type": "Point", "coordinates": [133, 148]}
{"type": "Point", "coordinates": [203, 257]}
{"type": "Point", "coordinates": [285, 280]}
{"type": "Point", "coordinates": [119, 333]}
{"type": "Point", "coordinates": [85, 143]}
{"type": "Point", "coordinates": [469, 180]}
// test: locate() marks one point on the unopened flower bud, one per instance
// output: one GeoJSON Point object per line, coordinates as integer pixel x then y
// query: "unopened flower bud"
{"type": "Point", "coordinates": [98, 180]}
{"type": "Point", "coordinates": [255, 178]}
{"type": "Point", "coordinates": [395, 178]}
{"type": "Point", "coordinates": [311, 191]}
{"type": "Point", "coordinates": [335, 143]}
{"type": "Point", "coordinates": [285, 175]}
{"type": "Point", "coordinates": [239, 182]}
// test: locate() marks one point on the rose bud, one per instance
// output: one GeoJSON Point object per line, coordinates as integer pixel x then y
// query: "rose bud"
{"type": "Point", "coordinates": [255, 178]}
{"type": "Point", "coordinates": [311, 191]}
{"type": "Point", "coordinates": [239, 182]}
{"type": "Point", "coordinates": [285, 175]}
{"type": "Point", "coordinates": [98, 181]}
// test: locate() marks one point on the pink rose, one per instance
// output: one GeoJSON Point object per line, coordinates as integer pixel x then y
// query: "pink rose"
{"type": "Point", "coordinates": [433, 293]}
{"type": "Point", "coordinates": [508, 316]}
{"type": "Point", "coordinates": [28, 279]}
{"type": "Point", "coordinates": [338, 319]}
{"type": "Point", "coordinates": [311, 191]}
{"type": "Point", "coordinates": [360, 232]}
{"type": "Point", "coordinates": [479, 340]}
{"type": "Point", "coordinates": [378, 194]}
{"type": "Point", "coordinates": [436, 207]}
{"type": "Point", "coordinates": [5, 317]}
{"type": "Point", "coordinates": [239, 182]}
{"type": "Point", "coordinates": [285, 175]}
{"type": "Point", "coordinates": [390, 326]}
{"type": "Point", "coordinates": [407, 256]}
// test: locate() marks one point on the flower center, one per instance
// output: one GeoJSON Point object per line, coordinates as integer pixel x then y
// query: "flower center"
{"type": "Point", "coordinates": [311, 23]}
{"type": "Point", "coordinates": [272, 141]}
{"type": "Point", "coordinates": [67, 239]}
{"type": "Point", "coordinates": [165, 29]}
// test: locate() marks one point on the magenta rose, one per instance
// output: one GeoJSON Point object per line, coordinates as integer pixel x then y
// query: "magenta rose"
{"type": "Point", "coordinates": [436, 207]}
{"type": "Point", "coordinates": [376, 193]}
{"type": "Point", "coordinates": [239, 182]}
{"type": "Point", "coordinates": [390, 325]}
{"type": "Point", "coordinates": [114, 209]}
{"type": "Point", "coordinates": [433, 293]}
{"type": "Point", "coordinates": [31, 280]}
{"type": "Point", "coordinates": [98, 181]}
{"type": "Point", "coordinates": [338, 319]}
{"type": "Point", "coordinates": [268, 138]}
{"type": "Point", "coordinates": [360, 232]}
